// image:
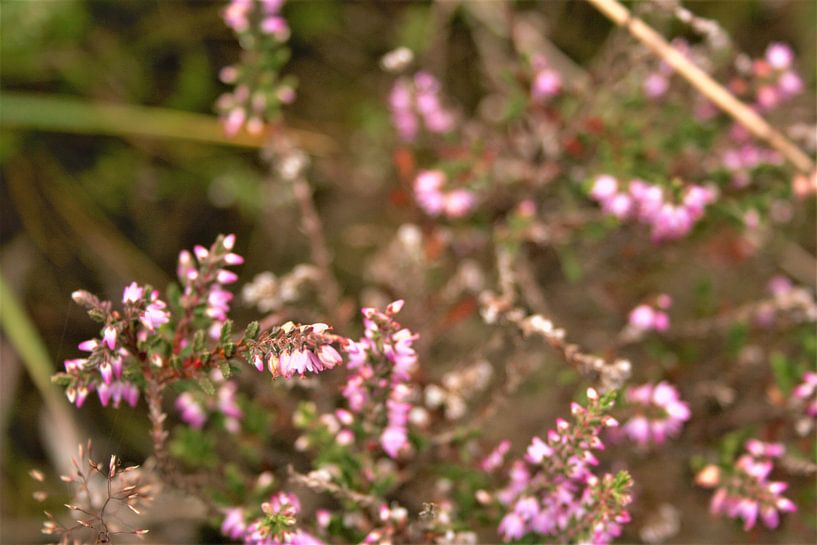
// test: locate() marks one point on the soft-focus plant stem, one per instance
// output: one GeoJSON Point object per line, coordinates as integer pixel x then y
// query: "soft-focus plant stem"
{"type": "Point", "coordinates": [23, 336]}
{"type": "Point", "coordinates": [75, 115]}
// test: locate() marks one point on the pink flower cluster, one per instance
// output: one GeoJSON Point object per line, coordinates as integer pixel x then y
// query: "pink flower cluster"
{"type": "Point", "coordinates": [652, 318]}
{"type": "Point", "coordinates": [496, 458]}
{"type": "Point", "coordinates": [547, 82]}
{"type": "Point", "coordinates": [553, 490]}
{"type": "Point", "coordinates": [193, 409]}
{"type": "Point", "coordinates": [746, 492]}
{"type": "Point", "coordinates": [415, 101]}
{"type": "Point", "coordinates": [296, 350]}
{"type": "Point", "coordinates": [142, 316]}
{"type": "Point", "coordinates": [658, 413]}
{"type": "Point", "coordinates": [434, 199]}
{"type": "Point", "coordinates": [275, 526]}
{"type": "Point", "coordinates": [261, 27]}
{"type": "Point", "coordinates": [107, 353]}
{"type": "Point", "coordinates": [771, 81]}
{"type": "Point", "coordinates": [203, 279]}
{"type": "Point", "coordinates": [391, 520]}
{"type": "Point", "coordinates": [745, 155]}
{"type": "Point", "coordinates": [238, 15]}
{"type": "Point", "coordinates": [647, 204]}
{"type": "Point", "coordinates": [382, 363]}
{"type": "Point", "coordinates": [776, 81]}
{"type": "Point", "coordinates": [806, 393]}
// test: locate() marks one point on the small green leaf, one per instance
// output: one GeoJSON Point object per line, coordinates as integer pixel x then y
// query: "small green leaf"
{"type": "Point", "coordinates": [253, 328]}
{"type": "Point", "coordinates": [206, 386]}
{"type": "Point", "coordinates": [61, 379]}
{"type": "Point", "coordinates": [226, 331]}
{"type": "Point", "coordinates": [229, 350]}
{"type": "Point", "coordinates": [226, 370]}
{"type": "Point", "coordinates": [97, 315]}
{"type": "Point", "coordinates": [198, 341]}
{"type": "Point", "coordinates": [785, 372]}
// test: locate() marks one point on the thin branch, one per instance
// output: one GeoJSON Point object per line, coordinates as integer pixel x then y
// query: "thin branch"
{"type": "Point", "coordinates": [289, 163]}
{"type": "Point", "coordinates": [707, 86]}
{"type": "Point", "coordinates": [612, 374]}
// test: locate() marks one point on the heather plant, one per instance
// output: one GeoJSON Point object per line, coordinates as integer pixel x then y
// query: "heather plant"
{"type": "Point", "coordinates": [513, 234]}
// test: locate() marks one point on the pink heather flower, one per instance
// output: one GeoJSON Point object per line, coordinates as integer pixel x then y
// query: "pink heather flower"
{"type": "Point", "coordinates": [779, 56]}
{"type": "Point", "coordinates": [226, 277]}
{"type": "Point", "coordinates": [746, 493]}
{"type": "Point", "coordinates": [106, 371]}
{"type": "Point", "coordinates": [272, 7]}
{"type": "Point", "coordinates": [779, 285]}
{"type": "Point", "coordinates": [393, 440]}
{"type": "Point", "coordinates": [619, 205]}
{"type": "Point", "coordinates": [511, 527]}
{"type": "Point", "coordinates": [74, 365]}
{"type": "Point", "coordinates": [401, 103]}
{"type": "Point", "coordinates": [546, 83]}
{"type": "Point", "coordinates": [649, 198]}
{"type": "Point", "coordinates": [345, 438]}
{"type": "Point", "coordinates": [236, 15]}
{"type": "Point", "coordinates": [655, 85]}
{"type": "Point", "coordinates": [186, 268]}
{"type": "Point", "coordinates": [406, 101]}
{"type": "Point", "coordinates": [132, 293]}
{"type": "Point", "coordinates": [537, 451]}
{"type": "Point", "coordinates": [89, 345]}
{"type": "Point", "coordinates": [496, 457]}
{"type": "Point", "coordinates": [154, 315]}
{"type": "Point", "coordinates": [192, 413]}
{"type": "Point", "coordinates": [428, 191]}
{"type": "Point", "coordinates": [323, 517]}
{"type": "Point", "coordinates": [806, 392]}
{"type": "Point", "coordinates": [557, 494]}
{"type": "Point", "coordinates": [234, 120]}
{"type": "Point", "coordinates": [789, 84]}
{"type": "Point", "coordinates": [226, 401]}
{"type": "Point", "coordinates": [109, 337]}
{"type": "Point", "coordinates": [604, 188]}
{"type": "Point", "coordinates": [104, 392]}
{"type": "Point", "coordinates": [661, 321]}
{"type": "Point", "coordinates": [642, 318]}
{"type": "Point", "coordinates": [329, 356]}
{"type": "Point", "coordinates": [767, 97]}
{"type": "Point", "coordinates": [459, 202]}
{"type": "Point", "coordinates": [233, 259]}
{"type": "Point", "coordinates": [276, 26]}
{"type": "Point", "coordinates": [233, 525]}
{"type": "Point", "coordinates": [696, 198]}
{"type": "Point", "coordinates": [428, 103]}
{"type": "Point", "coordinates": [659, 413]}
{"type": "Point", "coordinates": [122, 390]}
{"type": "Point", "coordinates": [438, 120]}
{"type": "Point", "coordinates": [218, 303]}
{"type": "Point", "coordinates": [77, 395]}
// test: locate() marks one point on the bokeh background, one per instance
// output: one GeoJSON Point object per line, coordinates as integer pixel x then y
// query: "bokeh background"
{"type": "Point", "coordinates": [93, 197]}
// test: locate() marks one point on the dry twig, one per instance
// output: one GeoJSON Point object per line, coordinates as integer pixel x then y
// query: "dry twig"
{"type": "Point", "coordinates": [707, 86]}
